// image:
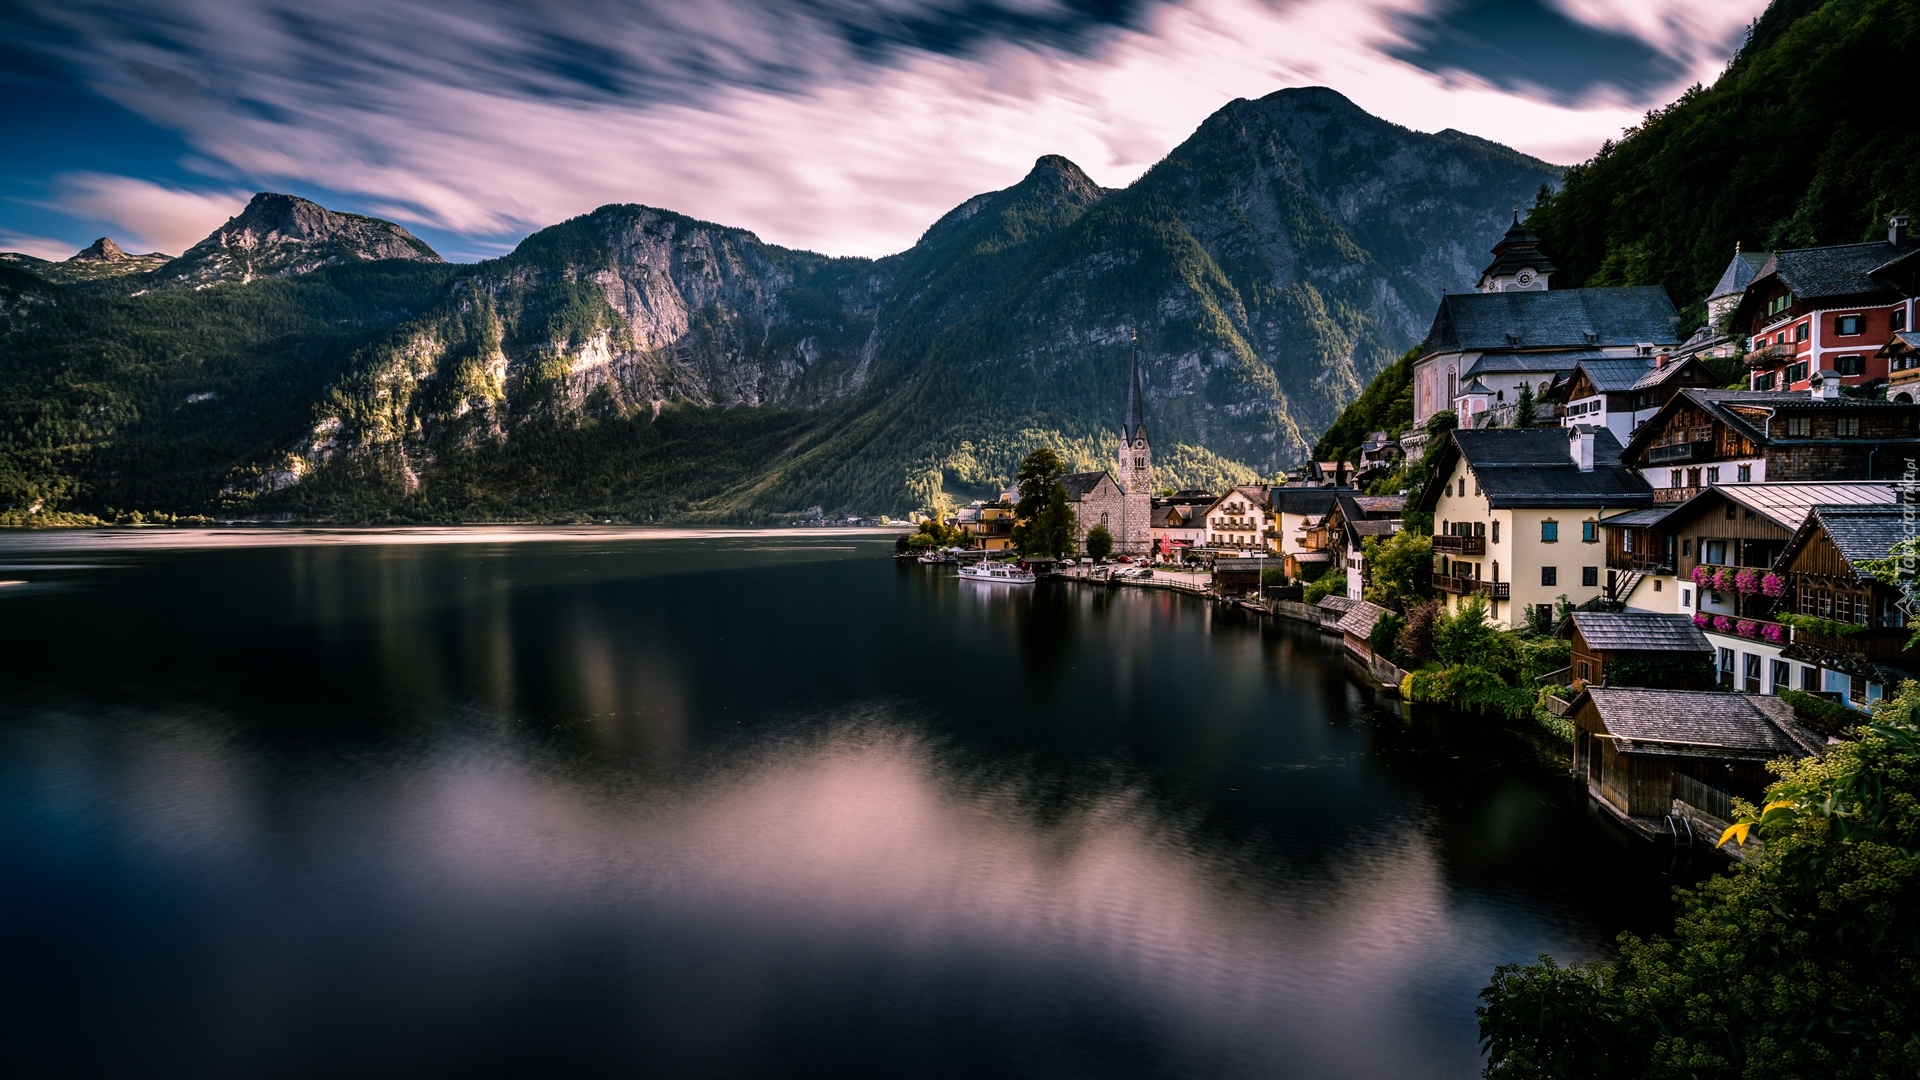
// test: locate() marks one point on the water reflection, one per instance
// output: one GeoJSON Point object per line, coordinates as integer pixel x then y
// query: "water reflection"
{"type": "Point", "coordinates": [703, 809]}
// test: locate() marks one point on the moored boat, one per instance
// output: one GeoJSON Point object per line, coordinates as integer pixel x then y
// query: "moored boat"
{"type": "Point", "coordinates": [998, 573]}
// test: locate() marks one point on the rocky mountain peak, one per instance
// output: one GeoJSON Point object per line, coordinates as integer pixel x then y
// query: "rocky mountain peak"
{"type": "Point", "coordinates": [101, 250]}
{"type": "Point", "coordinates": [277, 235]}
{"type": "Point", "coordinates": [1055, 173]}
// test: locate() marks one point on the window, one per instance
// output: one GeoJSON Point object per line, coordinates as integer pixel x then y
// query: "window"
{"type": "Point", "coordinates": [1810, 680]}
{"type": "Point", "coordinates": [1449, 489]}
{"type": "Point", "coordinates": [1800, 332]}
{"type": "Point", "coordinates": [1713, 474]}
{"type": "Point", "coordinates": [1714, 552]}
{"type": "Point", "coordinates": [1750, 668]}
{"type": "Point", "coordinates": [1849, 325]}
{"type": "Point", "coordinates": [1847, 426]}
{"type": "Point", "coordinates": [1745, 474]}
{"type": "Point", "coordinates": [1693, 477]}
{"type": "Point", "coordinates": [1733, 512]}
{"type": "Point", "coordinates": [1726, 669]}
{"type": "Point", "coordinates": [1549, 533]}
{"type": "Point", "coordinates": [1898, 321]}
{"type": "Point", "coordinates": [1589, 532]}
{"type": "Point", "coordinates": [1686, 549]}
{"type": "Point", "coordinates": [1686, 596]}
{"type": "Point", "coordinates": [1589, 576]}
{"type": "Point", "coordinates": [1586, 672]}
{"type": "Point", "coordinates": [1496, 569]}
{"type": "Point", "coordinates": [1797, 372]}
{"type": "Point", "coordinates": [1675, 478]}
{"type": "Point", "coordinates": [1656, 584]}
{"type": "Point", "coordinates": [1496, 532]}
{"type": "Point", "coordinates": [1799, 426]}
{"type": "Point", "coordinates": [1782, 677]}
{"type": "Point", "coordinates": [1543, 613]}
{"type": "Point", "coordinates": [1850, 365]}
{"type": "Point", "coordinates": [1549, 575]}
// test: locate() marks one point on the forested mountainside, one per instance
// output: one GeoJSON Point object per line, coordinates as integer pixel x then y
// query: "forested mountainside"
{"type": "Point", "coordinates": [1799, 143]}
{"type": "Point", "coordinates": [1792, 147]}
{"type": "Point", "coordinates": [637, 364]}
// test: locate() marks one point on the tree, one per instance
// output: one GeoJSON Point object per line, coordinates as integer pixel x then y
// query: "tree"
{"type": "Point", "coordinates": [1803, 961]}
{"type": "Point", "coordinates": [1399, 569]}
{"type": "Point", "coordinates": [1099, 542]}
{"type": "Point", "coordinates": [1043, 519]}
{"type": "Point", "coordinates": [1523, 407]}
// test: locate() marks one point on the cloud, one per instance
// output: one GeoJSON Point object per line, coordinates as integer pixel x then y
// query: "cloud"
{"type": "Point", "coordinates": [144, 216]}
{"type": "Point", "coordinates": [40, 247]}
{"type": "Point", "coordinates": [833, 124]}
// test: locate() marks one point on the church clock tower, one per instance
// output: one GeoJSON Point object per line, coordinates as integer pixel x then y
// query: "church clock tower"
{"type": "Point", "coordinates": [1135, 471]}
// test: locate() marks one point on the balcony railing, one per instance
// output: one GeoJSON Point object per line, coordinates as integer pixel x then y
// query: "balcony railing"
{"type": "Point", "coordinates": [1631, 560]}
{"type": "Point", "coordinates": [1461, 586]}
{"type": "Point", "coordinates": [1459, 545]}
{"type": "Point", "coordinates": [1698, 450]}
{"type": "Point", "coordinates": [1674, 494]}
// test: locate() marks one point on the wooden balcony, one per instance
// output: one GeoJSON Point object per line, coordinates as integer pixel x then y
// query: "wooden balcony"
{"type": "Point", "coordinates": [1645, 563]}
{"type": "Point", "coordinates": [1459, 545]}
{"type": "Point", "coordinates": [1674, 494]}
{"type": "Point", "coordinates": [1460, 586]}
{"type": "Point", "coordinates": [1693, 450]}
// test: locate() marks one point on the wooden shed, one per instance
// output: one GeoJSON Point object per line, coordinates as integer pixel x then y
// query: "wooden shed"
{"type": "Point", "coordinates": [1631, 744]}
{"type": "Point", "coordinates": [1238, 577]}
{"type": "Point", "coordinates": [1356, 627]}
{"type": "Point", "coordinates": [1648, 641]}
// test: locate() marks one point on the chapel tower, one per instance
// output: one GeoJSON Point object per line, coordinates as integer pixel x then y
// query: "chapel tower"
{"type": "Point", "coordinates": [1135, 471]}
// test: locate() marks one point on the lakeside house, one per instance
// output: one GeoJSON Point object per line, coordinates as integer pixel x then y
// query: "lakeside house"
{"type": "Point", "coordinates": [1515, 331]}
{"type": "Point", "coordinates": [1517, 516]}
{"type": "Point", "coordinates": [1828, 310]}
{"type": "Point", "coordinates": [987, 526]}
{"type": "Point", "coordinates": [1179, 522]}
{"type": "Point", "coordinates": [1641, 749]}
{"type": "Point", "coordinates": [1858, 638]}
{"type": "Point", "coordinates": [1706, 437]}
{"type": "Point", "coordinates": [1351, 520]}
{"type": "Point", "coordinates": [1639, 643]}
{"type": "Point", "coordinates": [1300, 538]}
{"type": "Point", "coordinates": [1239, 520]}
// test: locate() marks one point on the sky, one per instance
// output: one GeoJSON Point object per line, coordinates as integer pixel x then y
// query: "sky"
{"type": "Point", "coordinates": [842, 126]}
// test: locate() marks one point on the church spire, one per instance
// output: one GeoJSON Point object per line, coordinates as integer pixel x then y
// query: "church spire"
{"type": "Point", "coordinates": [1134, 427]}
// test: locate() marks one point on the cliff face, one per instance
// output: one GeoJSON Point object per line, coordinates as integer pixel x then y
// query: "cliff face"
{"type": "Point", "coordinates": [277, 235]}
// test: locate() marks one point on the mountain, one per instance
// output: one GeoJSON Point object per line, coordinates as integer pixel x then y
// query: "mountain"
{"type": "Point", "coordinates": [101, 259]}
{"type": "Point", "coordinates": [1793, 146]}
{"type": "Point", "coordinates": [278, 235]}
{"type": "Point", "coordinates": [640, 364]}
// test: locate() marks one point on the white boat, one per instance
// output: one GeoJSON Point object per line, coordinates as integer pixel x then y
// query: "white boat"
{"type": "Point", "coordinates": [998, 572]}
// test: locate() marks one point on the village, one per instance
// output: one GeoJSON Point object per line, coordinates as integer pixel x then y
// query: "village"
{"type": "Point", "coordinates": [1683, 576]}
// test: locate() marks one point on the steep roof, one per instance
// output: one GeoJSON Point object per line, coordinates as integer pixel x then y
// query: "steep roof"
{"type": "Point", "coordinates": [1836, 271]}
{"type": "Point", "coordinates": [1640, 631]}
{"type": "Point", "coordinates": [1516, 251]}
{"type": "Point", "coordinates": [1638, 519]}
{"type": "Point", "coordinates": [1302, 500]}
{"type": "Point", "coordinates": [1079, 484]}
{"type": "Point", "coordinates": [1616, 376]}
{"type": "Point", "coordinates": [1860, 532]}
{"type": "Point", "coordinates": [1360, 618]}
{"type": "Point", "coordinates": [1788, 504]}
{"type": "Point", "coordinates": [1672, 721]}
{"type": "Point", "coordinates": [1555, 319]}
{"type": "Point", "coordinates": [1531, 467]}
{"type": "Point", "coordinates": [1739, 273]}
{"type": "Point", "coordinates": [1133, 426]}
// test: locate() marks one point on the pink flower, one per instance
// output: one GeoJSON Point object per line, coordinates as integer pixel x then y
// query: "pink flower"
{"type": "Point", "coordinates": [1747, 628]}
{"type": "Point", "coordinates": [1701, 621]}
{"type": "Point", "coordinates": [1774, 633]}
{"type": "Point", "coordinates": [1703, 576]}
{"type": "Point", "coordinates": [1747, 581]}
{"type": "Point", "coordinates": [1722, 623]}
{"type": "Point", "coordinates": [1772, 586]}
{"type": "Point", "coordinates": [1723, 579]}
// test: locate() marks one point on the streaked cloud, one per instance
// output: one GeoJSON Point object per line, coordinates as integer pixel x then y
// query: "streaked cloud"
{"type": "Point", "coordinates": [838, 125]}
{"type": "Point", "coordinates": [145, 216]}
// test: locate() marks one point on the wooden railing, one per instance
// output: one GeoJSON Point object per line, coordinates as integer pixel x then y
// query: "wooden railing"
{"type": "Point", "coordinates": [1461, 586]}
{"type": "Point", "coordinates": [1459, 545]}
{"type": "Point", "coordinates": [1691, 450]}
{"type": "Point", "coordinates": [1674, 494]}
{"type": "Point", "coordinates": [1708, 800]}
{"type": "Point", "coordinates": [1634, 560]}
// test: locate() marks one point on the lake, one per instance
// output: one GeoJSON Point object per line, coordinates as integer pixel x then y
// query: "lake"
{"type": "Point", "coordinates": [444, 803]}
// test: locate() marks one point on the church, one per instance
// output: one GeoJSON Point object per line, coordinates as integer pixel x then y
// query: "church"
{"type": "Point", "coordinates": [1123, 499]}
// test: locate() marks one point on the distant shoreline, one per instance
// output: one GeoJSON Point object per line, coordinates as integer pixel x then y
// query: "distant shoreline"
{"type": "Point", "coordinates": [154, 538]}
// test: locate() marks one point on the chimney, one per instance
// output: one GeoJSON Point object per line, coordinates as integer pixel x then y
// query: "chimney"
{"type": "Point", "coordinates": [1580, 448]}
{"type": "Point", "coordinates": [1825, 386]}
{"type": "Point", "coordinates": [1897, 230]}
{"type": "Point", "coordinates": [1660, 358]}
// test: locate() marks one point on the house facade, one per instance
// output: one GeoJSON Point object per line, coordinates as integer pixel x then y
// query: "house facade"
{"type": "Point", "coordinates": [1620, 394]}
{"type": "Point", "coordinates": [1517, 516]}
{"type": "Point", "coordinates": [1828, 309]}
{"type": "Point", "coordinates": [1855, 634]}
{"type": "Point", "coordinates": [1706, 437]}
{"type": "Point", "coordinates": [1608, 647]}
{"type": "Point", "coordinates": [1349, 523]}
{"type": "Point", "coordinates": [1239, 520]}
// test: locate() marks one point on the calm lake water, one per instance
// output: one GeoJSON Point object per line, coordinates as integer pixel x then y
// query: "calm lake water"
{"type": "Point", "coordinates": [737, 805]}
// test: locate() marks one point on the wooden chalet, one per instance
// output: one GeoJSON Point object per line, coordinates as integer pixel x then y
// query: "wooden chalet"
{"type": "Point", "coordinates": [1640, 749]}
{"type": "Point", "coordinates": [1706, 437]}
{"type": "Point", "coordinates": [1618, 638]}
{"type": "Point", "coordinates": [1356, 627]}
{"type": "Point", "coordinates": [1860, 645]}
{"type": "Point", "coordinates": [1239, 577]}
{"type": "Point", "coordinates": [1902, 354]}
{"type": "Point", "coordinates": [1619, 393]}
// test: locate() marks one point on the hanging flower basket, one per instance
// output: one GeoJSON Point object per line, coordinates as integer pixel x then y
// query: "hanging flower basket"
{"type": "Point", "coordinates": [1702, 621]}
{"type": "Point", "coordinates": [1723, 579]}
{"type": "Point", "coordinates": [1774, 633]}
{"type": "Point", "coordinates": [1703, 576]}
{"type": "Point", "coordinates": [1747, 582]}
{"type": "Point", "coordinates": [1747, 628]}
{"type": "Point", "coordinates": [1773, 586]}
{"type": "Point", "coordinates": [1722, 623]}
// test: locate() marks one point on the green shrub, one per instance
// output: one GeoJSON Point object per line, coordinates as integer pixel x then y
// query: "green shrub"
{"type": "Point", "coordinates": [1324, 586]}
{"type": "Point", "coordinates": [1827, 717]}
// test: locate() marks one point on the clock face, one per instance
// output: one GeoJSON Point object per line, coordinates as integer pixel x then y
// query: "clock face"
{"type": "Point", "coordinates": [1526, 277]}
